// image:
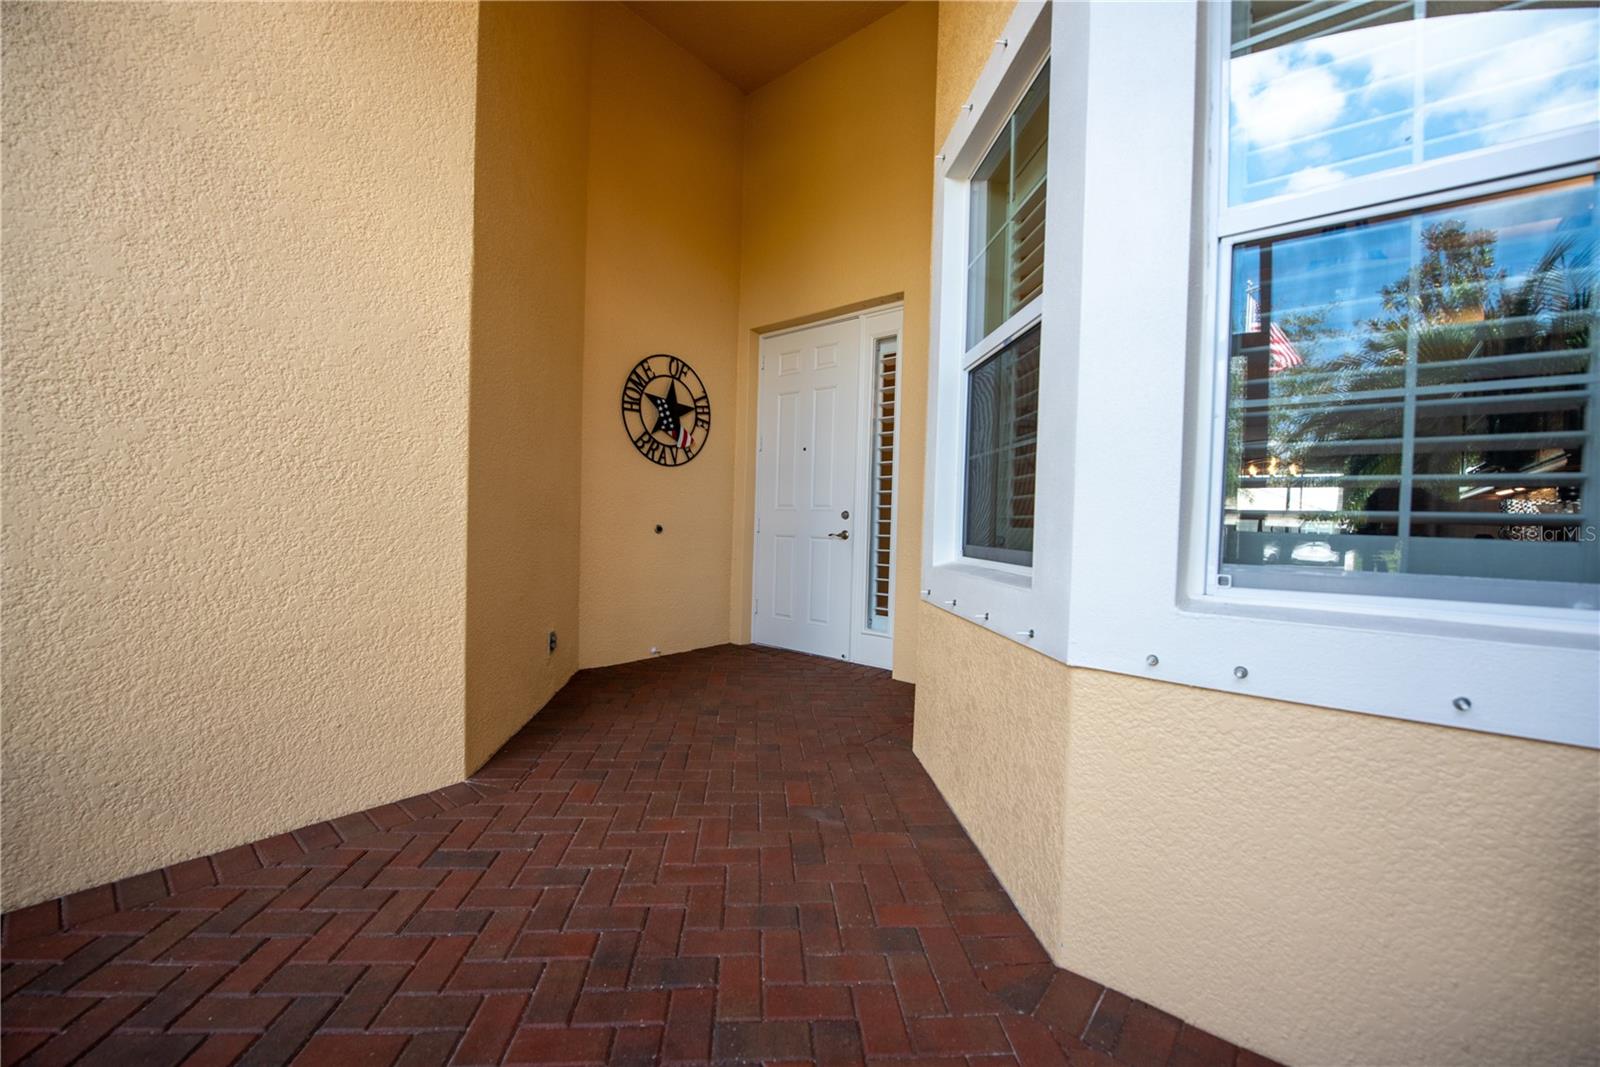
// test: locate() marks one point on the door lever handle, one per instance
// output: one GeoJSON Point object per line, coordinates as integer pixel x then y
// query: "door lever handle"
{"type": "Point", "coordinates": [842, 535]}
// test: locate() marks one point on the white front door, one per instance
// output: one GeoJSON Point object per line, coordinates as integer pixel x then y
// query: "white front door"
{"type": "Point", "coordinates": [819, 523]}
{"type": "Point", "coordinates": [806, 444]}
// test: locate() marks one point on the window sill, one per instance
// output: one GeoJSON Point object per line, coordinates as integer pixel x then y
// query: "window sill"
{"type": "Point", "coordinates": [1550, 627]}
{"type": "Point", "coordinates": [1003, 599]}
{"type": "Point", "coordinates": [1000, 573]}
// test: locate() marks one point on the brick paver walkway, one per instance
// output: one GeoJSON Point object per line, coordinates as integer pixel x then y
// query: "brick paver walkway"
{"type": "Point", "coordinates": [729, 854]}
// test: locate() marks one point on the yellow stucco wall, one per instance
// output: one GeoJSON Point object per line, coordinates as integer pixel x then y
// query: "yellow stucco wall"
{"type": "Point", "coordinates": [838, 205]}
{"type": "Point", "coordinates": [1321, 886]}
{"type": "Point", "coordinates": [1333, 888]}
{"type": "Point", "coordinates": [663, 276]}
{"type": "Point", "coordinates": [531, 157]}
{"type": "Point", "coordinates": [968, 30]}
{"type": "Point", "coordinates": [991, 729]}
{"type": "Point", "coordinates": [237, 267]}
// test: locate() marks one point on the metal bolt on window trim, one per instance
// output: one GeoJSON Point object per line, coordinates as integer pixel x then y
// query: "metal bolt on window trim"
{"type": "Point", "coordinates": [982, 616]}
{"type": "Point", "coordinates": [1152, 660]}
{"type": "Point", "coordinates": [1461, 704]}
{"type": "Point", "coordinates": [1240, 672]}
{"type": "Point", "coordinates": [1023, 633]}
{"type": "Point", "coordinates": [952, 603]}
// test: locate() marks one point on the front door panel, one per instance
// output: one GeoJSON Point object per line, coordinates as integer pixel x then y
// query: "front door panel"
{"type": "Point", "coordinates": [805, 487]}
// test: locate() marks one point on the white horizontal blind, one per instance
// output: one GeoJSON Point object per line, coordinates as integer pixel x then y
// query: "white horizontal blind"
{"type": "Point", "coordinates": [1323, 92]}
{"type": "Point", "coordinates": [881, 500]}
{"type": "Point", "coordinates": [1259, 25]}
{"type": "Point", "coordinates": [1026, 221]}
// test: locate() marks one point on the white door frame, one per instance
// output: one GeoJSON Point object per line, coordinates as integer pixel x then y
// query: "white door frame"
{"type": "Point", "coordinates": [870, 647]}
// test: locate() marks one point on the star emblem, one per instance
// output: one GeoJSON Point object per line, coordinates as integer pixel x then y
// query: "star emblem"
{"type": "Point", "coordinates": [669, 410]}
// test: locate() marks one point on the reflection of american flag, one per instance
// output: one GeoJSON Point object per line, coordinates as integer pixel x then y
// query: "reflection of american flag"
{"type": "Point", "coordinates": [1281, 349]}
{"type": "Point", "coordinates": [685, 437]}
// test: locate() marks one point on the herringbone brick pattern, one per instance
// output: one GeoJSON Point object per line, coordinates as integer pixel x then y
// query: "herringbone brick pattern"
{"type": "Point", "coordinates": [726, 855]}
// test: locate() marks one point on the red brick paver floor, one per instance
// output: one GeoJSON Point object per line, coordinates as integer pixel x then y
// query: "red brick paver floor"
{"type": "Point", "coordinates": [726, 855]}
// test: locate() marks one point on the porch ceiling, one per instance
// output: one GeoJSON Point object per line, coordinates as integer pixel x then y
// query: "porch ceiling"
{"type": "Point", "coordinates": [751, 42]}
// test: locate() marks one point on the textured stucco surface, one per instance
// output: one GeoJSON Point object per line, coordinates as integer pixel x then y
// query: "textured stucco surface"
{"type": "Point", "coordinates": [991, 729]}
{"type": "Point", "coordinates": [838, 209]}
{"type": "Point", "coordinates": [527, 364]}
{"type": "Point", "coordinates": [968, 30]}
{"type": "Point", "coordinates": [1324, 887]}
{"type": "Point", "coordinates": [236, 285]}
{"type": "Point", "coordinates": [1332, 888]}
{"type": "Point", "coordinates": [662, 276]}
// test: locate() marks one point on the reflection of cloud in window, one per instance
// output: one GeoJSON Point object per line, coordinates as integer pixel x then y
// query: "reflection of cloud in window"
{"type": "Point", "coordinates": [1386, 54]}
{"type": "Point", "coordinates": [1310, 178]}
{"type": "Point", "coordinates": [1531, 72]}
{"type": "Point", "coordinates": [1275, 99]}
{"type": "Point", "coordinates": [1313, 112]}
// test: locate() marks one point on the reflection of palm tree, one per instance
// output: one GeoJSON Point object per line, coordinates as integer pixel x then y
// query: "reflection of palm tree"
{"type": "Point", "coordinates": [1461, 308]}
{"type": "Point", "coordinates": [1452, 281]}
{"type": "Point", "coordinates": [1453, 307]}
{"type": "Point", "coordinates": [1559, 295]}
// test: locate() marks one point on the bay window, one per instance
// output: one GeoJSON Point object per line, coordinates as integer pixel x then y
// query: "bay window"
{"type": "Point", "coordinates": [997, 486]}
{"type": "Point", "coordinates": [1304, 405]}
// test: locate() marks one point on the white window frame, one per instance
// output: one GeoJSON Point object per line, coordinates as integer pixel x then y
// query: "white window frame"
{"type": "Point", "coordinates": [1498, 168]}
{"type": "Point", "coordinates": [1527, 672]}
{"type": "Point", "coordinates": [1026, 318]}
{"type": "Point", "coordinates": [1026, 602]}
{"type": "Point", "coordinates": [1578, 621]}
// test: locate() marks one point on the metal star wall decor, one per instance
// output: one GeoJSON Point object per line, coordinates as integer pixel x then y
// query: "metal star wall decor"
{"type": "Point", "coordinates": [665, 410]}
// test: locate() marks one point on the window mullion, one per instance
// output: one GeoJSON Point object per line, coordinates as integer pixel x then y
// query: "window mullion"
{"type": "Point", "coordinates": [1408, 413]}
{"type": "Point", "coordinates": [1418, 81]}
{"type": "Point", "coordinates": [1006, 294]}
{"type": "Point", "coordinates": [1003, 334]}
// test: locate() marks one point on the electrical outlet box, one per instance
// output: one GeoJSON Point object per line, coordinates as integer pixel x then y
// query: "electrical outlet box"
{"type": "Point", "coordinates": [552, 640]}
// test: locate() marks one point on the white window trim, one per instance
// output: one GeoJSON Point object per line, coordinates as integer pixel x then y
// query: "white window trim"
{"type": "Point", "coordinates": [1524, 672]}
{"type": "Point", "coordinates": [1439, 175]}
{"type": "Point", "coordinates": [1003, 334]}
{"type": "Point", "coordinates": [1027, 603]}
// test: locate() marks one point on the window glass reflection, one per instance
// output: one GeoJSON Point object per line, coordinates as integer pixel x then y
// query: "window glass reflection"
{"type": "Point", "coordinates": [1321, 93]}
{"type": "Point", "coordinates": [1002, 435]}
{"type": "Point", "coordinates": [1005, 242]}
{"type": "Point", "coordinates": [1413, 396]}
